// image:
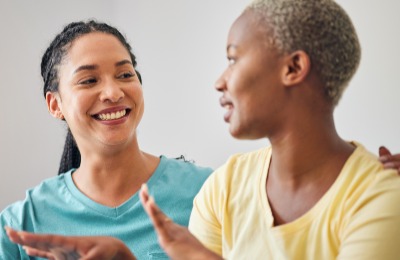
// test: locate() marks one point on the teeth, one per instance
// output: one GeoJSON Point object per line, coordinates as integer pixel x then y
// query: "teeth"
{"type": "Point", "coordinates": [112, 116]}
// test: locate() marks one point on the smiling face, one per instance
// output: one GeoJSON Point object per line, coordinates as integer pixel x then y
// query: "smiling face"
{"type": "Point", "coordinates": [99, 95]}
{"type": "Point", "coordinates": [251, 85]}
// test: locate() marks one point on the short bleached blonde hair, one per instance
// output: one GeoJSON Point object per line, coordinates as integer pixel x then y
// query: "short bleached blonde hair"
{"type": "Point", "coordinates": [322, 29]}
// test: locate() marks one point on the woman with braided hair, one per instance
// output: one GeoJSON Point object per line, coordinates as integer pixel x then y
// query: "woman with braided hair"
{"type": "Point", "coordinates": [91, 82]}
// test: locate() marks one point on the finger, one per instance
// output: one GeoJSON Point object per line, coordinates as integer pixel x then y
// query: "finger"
{"type": "Point", "coordinates": [144, 193]}
{"type": "Point", "coordinates": [13, 235]}
{"type": "Point", "coordinates": [162, 223]}
{"type": "Point", "coordinates": [384, 154]}
{"type": "Point", "coordinates": [48, 242]}
{"type": "Point", "coordinates": [384, 151]}
{"type": "Point", "coordinates": [392, 165]}
{"type": "Point", "coordinates": [34, 249]}
{"type": "Point", "coordinates": [157, 217]}
{"type": "Point", "coordinates": [64, 254]}
{"type": "Point", "coordinates": [390, 158]}
{"type": "Point", "coordinates": [41, 241]}
{"type": "Point", "coordinates": [395, 157]}
{"type": "Point", "coordinates": [38, 253]}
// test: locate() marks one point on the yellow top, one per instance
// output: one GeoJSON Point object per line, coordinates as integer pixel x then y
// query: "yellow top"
{"type": "Point", "coordinates": [357, 218]}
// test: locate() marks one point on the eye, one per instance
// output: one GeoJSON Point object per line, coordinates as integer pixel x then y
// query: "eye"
{"type": "Point", "coordinates": [126, 75]}
{"type": "Point", "coordinates": [88, 81]}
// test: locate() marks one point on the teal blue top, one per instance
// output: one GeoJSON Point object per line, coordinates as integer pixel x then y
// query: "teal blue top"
{"type": "Point", "coordinates": [57, 206]}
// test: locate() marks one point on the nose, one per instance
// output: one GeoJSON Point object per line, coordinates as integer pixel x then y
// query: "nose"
{"type": "Point", "coordinates": [220, 84]}
{"type": "Point", "coordinates": [111, 92]}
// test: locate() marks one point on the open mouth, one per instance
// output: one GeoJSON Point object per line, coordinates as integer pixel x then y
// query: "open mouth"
{"type": "Point", "coordinates": [228, 106]}
{"type": "Point", "coordinates": [112, 116]}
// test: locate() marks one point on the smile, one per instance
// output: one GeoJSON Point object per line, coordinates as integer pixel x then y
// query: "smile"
{"type": "Point", "coordinates": [112, 116]}
{"type": "Point", "coordinates": [228, 106]}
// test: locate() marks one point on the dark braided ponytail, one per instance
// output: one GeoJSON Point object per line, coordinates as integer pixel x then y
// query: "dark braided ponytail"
{"type": "Point", "coordinates": [71, 157]}
{"type": "Point", "coordinates": [51, 60]}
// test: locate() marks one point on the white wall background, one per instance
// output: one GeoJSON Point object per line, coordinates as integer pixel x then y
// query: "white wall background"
{"type": "Point", "coordinates": [180, 46]}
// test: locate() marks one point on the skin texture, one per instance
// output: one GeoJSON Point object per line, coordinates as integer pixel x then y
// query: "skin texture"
{"type": "Point", "coordinates": [266, 95]}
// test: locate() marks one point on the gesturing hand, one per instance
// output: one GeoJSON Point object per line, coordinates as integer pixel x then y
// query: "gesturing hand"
{"type": "Point", "coordinates": [70, 248]}
{"type": "Point", "coordinates": [389, 161]}
{"type": "Point", "coordinates": [176, 240]}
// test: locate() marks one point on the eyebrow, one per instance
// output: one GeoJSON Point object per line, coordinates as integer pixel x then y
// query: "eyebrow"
{"type": "Point", "coordinates": [85, 67]}
{"type": "Point", "coordinates": [94, 67]}
{"type": "Point", "coordinates": [123, 62]}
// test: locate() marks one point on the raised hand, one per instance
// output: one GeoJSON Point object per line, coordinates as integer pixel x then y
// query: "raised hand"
{"type": "Point", "coordinates": [70, 248]}
{"type": "Point", "coordinates": [176, 240]}
{"type": "Point", "coordinates": [389, 161]}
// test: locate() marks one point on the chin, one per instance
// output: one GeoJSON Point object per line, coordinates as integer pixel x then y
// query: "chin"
{"type": "Point", "coordinates": [237, 134]}
{"type": "Point", "coordinates": [241, 134]}
{"type": "Point", "coordinates": [114, 141]}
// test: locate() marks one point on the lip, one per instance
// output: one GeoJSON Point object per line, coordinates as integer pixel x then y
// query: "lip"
{"type": "Point", "coordinates": [228, 106]}
{"type": "Point", "coordinates": [111, 110]}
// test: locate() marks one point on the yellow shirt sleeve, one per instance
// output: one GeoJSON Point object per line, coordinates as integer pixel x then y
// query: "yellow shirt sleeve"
{"type": "Point", "coordinates": [372, 230]}
{"type": "Point", "coordinates": [204, 220]}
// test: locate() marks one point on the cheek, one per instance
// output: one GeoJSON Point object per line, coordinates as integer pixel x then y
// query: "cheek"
{"type": "Point", "coordinates": [76, 104]}
{"type": "Point", "coordinates": [135, 94]}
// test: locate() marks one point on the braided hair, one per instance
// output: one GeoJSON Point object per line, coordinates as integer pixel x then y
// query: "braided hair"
{"type": "Point", "coordinates": [51, 60]}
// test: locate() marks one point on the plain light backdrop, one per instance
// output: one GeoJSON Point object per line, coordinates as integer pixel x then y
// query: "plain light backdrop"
{"type": "Point", "coordinates": [180, 45]}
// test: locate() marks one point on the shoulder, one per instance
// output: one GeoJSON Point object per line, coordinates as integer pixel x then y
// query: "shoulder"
{"type": "Point", "coordinates": [34, 197]}
{"type": "Point", "coordinates": [178, 176]}
{"type": "Point", "coordinates": [366, 184]}
{"type": "Point", "coordinates": [183, 168]}
{"type": "Point", "coordinates": [364, 167]}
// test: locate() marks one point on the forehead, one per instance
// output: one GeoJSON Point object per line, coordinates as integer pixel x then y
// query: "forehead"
{"type": "Point", "coordinates": [95, 45]}
{"type": "Point", "coordinates": [247, 29]}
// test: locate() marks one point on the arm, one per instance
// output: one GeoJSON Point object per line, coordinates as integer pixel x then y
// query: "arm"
{"type": "Point", "coordinates": [389, 161]}
{"type": "Point", "coordinates": [64, 247]}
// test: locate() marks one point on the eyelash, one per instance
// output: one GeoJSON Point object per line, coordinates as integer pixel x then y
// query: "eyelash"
{"type": "Point", "coordinates": [88, 81]}
{"type": "Point", "coordinates": [125, 75]}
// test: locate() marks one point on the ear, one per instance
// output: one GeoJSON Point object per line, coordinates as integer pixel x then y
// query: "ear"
{"type": "Point", "coordinates": [53, 101]}
{"type": "Point", "coordinates": [296, 69]}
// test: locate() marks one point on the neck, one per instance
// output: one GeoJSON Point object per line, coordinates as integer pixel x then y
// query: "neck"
{"type": "Point", "coordinates": [114, 175]}
{"type": "Point", "coordinates": [305, 163]}
{"type": "Point", "coordinates": [300, 156]}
